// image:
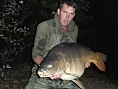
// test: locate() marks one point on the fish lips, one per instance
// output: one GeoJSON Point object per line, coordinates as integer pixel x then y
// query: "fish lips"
{"type": "Point", "coordinates": [47, 70]}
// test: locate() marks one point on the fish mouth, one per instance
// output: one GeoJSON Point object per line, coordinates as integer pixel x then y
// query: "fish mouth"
{"type": "Point", "coordinates": [41, 74]}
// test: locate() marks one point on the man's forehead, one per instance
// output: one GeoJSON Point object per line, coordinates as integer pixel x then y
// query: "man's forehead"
{"type": "Point", "coordinates": [68, 8]}
{"type": "Point", "coordinates": [65, 5]}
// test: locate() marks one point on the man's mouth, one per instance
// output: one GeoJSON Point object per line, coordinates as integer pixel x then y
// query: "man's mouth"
{"type": "Point", "coordinates": [66, 21]}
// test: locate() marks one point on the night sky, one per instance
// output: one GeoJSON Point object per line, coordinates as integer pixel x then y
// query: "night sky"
{"type": "Point", "coordinates": [105, 24]}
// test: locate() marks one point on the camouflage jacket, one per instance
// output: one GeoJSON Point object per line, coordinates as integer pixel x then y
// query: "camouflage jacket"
{"type": "Point", "coordinates": [50, 33]}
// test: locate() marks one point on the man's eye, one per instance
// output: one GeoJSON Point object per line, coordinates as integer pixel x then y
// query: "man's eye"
{"type": "Point", "coordinates": [72, 14]}
{"type": "Point", "coordinates": [64, 12]}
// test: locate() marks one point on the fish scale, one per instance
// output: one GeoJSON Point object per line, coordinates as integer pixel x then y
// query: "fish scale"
{"type": "Point", "coordinates": [69, 59]}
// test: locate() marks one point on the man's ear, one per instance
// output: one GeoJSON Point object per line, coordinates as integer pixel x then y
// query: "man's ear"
{"type": "Point", "coordinates": [58, 11]}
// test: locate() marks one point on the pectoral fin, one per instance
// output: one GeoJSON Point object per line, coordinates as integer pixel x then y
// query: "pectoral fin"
{"type": "Point", "coordinates": [78, 82]}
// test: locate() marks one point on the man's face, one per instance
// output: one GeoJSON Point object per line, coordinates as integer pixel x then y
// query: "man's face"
{"type": "Point", "coordinates": [66, 14]}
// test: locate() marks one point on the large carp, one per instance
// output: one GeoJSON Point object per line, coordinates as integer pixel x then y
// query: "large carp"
{"type": "Point", "coordinates": [68, 59]}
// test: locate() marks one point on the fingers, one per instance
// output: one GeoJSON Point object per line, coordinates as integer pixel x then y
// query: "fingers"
{"type": "Point", "coordinates": [55, 77]}
{"type": "Point", "coordinates": [87, 65]}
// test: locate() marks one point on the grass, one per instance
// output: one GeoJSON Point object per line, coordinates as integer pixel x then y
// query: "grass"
{"type": "Point", "coordinates": [17, 77]}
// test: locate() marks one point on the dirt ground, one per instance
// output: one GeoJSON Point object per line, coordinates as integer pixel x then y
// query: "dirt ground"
{"type": "Point", "coordinates": [17, 77]}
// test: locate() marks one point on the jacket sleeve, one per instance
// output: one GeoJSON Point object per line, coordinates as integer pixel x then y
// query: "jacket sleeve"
{"type": "Point", "coordinates": [40, 40]}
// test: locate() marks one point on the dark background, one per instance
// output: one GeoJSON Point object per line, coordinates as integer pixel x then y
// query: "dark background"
{"type": "Point", "coordinates": [104, 37]}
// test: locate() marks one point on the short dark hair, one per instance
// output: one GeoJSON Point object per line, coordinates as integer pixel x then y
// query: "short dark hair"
{"type": "Point", "coordinates": [68, 2]}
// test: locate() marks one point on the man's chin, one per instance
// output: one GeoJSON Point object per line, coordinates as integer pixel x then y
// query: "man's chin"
{"type": "Point", "coordinates": [65, 25]}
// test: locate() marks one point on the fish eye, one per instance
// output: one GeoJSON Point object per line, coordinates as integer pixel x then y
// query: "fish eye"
{"type": "Point", "coordinates": [49, 66]}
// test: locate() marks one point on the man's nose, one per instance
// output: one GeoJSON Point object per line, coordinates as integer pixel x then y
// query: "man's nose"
{"type": "Point", "coordinates": [67, 16]}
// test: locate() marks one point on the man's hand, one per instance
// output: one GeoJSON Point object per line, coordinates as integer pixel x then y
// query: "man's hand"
{"type": "Point", "coordinates": [38, 60]}
{"type": "Point", "coordinates": [56, 76]}
{"type": "Point", "coordinates": [87, 64]}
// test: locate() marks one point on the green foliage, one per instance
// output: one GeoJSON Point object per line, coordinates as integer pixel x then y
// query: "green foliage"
{"type": "Point", "coordinates": [16, 35]}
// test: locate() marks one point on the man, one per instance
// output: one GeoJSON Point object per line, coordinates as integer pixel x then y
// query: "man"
{"type": "Point", "coordinates": [50, 33]}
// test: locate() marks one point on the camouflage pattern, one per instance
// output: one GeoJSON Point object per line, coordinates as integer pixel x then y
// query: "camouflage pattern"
{"type": "Point", "coordinates": [46, 83]}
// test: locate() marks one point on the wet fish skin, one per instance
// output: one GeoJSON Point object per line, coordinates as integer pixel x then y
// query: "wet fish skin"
{"type": "Point", "coordinates": [69, 60]}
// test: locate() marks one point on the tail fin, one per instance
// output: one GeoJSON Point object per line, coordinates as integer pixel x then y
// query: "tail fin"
{"type": "Point", "coordinates": [99, 62]}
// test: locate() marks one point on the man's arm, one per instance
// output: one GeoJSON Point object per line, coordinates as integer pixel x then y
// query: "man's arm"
{"type": "Point", "coordinates": [39, 43]}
